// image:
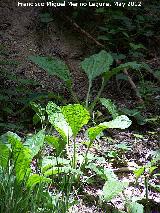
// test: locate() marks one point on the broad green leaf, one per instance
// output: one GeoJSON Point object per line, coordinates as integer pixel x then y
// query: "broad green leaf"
{"type": "Point", "coordinates": [139, 172]}
{"type": "Point", "coordinates": [97, 64]}
{"type": "Point", "coordinates": [56, 142]}
{"type": "Point", "coordinates": [135, 207]}
{"type": "Point", "coordinates": [121, 122]}
{"type": "Point", "coordinates": [15, 141]}
{"type": "Point", "coordinates": [98, 170]}
{"type": "Point", "coordinates": [4, 153]}
{"type": "Point", "coordinates": [52, 171]}
{"type": "Point", "coordinates": [110, 106]}
{"type": "Point", "coordinates": [22, 164]}
{"type": "Point", "coordinates": [21, 155]}
{"type": "Point", "coordinates": [57, 119]}
{"type": "Point", "coordinates": [53, 66]}
{"type": "Point", "coordinates": [35, 142]}
{"type": "Point", "coordinates": [93, 132]}
{"type": "Point", "coordinates": [152, 168]}
{"type": "Point", "coordinates": [58, 170]}
{"type": "Point", "coordinates": [76, 116]}
{"type": "Point", "coordinates": [36, 179]}
{"type": "Point", "coordinates": [49, 162]}
{"type": "Point", "coordinates": [112, 188]}
{"type": "Point", "coordinates": [40, 112]}
{"type": "Point", "coordinates": [129, 65]}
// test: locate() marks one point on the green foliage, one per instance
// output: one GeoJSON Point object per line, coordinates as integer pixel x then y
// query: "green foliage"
{"type": "Point", "coordinates": [13, 85]}
{"type": "Point", "coordinates": [147, 171]}
{"type": "Point", "coordinates": [57, 119]}
{"type": "Point", "coordinates": [135, 113]}
{"type": "Point", "coordinates": [134, 207]}
{"type": "Point", "coordinates": [107, 103]}
{"type": "Point", "coordinates": [18, 186]}
{"type": "Point", "coordinates": [119, 31]}
{"type": "Point", "coordinates": [54, 67]}
{"type": "Point", "coordinates": [5, 152]}
{"type": "Point", "coordinates": [76, 116]}
{"type": "Point", "coordinates": [40, 113]}
{"type": "Point", "coordinates": [68, 170]}
{"type": "Point", "coordinates": [121, 122]}
{"type": "Point", "coordinates": [36, 179]}
{"type": "Point", "coordinates": [148, 89]}
{"type": "Point", "coordinates": [56, 142]}
{"type": "Point", "coordinates": [32, 181]}
{"type": "Point", "coordinates": [112, 188]}
{"type": "Point", "coordinates": [21, 155]}
{"type": "Point", "coordinates": [94, 66]}
{"type": "Point", "coordinates": [97, 64]}
{"type": "Point", "coordinates": [35, 142]}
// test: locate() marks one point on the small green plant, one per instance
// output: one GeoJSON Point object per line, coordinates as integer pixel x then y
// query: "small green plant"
{"type": "Point", "coordinates": [117, 154]}
{"type": "Point", "coordinates": [146, 172]}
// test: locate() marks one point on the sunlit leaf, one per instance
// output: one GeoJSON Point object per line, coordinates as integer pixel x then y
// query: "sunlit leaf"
{"type": "Point", "coordinates": [49, 162]}
{"type": "Point", "coordinates": [135, 207]}
{"type": "Point", "coordinates": [35, 142]}
{"type": "Point", "coordinates": [139, 172]}
{"type": "Point", "coordinates": [5, 149]}
{"type": "Point", "coordinates": [36, 179]}
{"type": "Point", "coordinates": [21, 155]}
{"type": "Point", "coordinates": [22, 164]}
{"type": "Point", "coordinates": [55, 142]}
{"type": "Point", "coordinates": [57, 119]}
{"type": "Point", "coordinates": [120, 122]}
{"type": "Point", "coordinates": [76, 116]}
{"type": "Point", "coordinates": [112, 188]}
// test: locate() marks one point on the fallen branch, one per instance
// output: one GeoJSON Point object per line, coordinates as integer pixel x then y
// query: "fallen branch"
{"type": "Point", "coordinates": [77, 27]}
{"type": "Point", "coordinates": [133, 86]}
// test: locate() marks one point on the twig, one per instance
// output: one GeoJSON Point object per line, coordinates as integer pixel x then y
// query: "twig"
{"type": "Point", "coordinates": [133, 86]}
{"type": "Point", "coordinates": [77, 27]}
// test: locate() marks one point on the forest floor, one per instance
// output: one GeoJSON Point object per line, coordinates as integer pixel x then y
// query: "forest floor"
{"type": "Point", "coordinates": [23, 35]}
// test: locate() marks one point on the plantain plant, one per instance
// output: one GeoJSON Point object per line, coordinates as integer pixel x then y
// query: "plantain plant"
{"type": "Point", "coordinates": [17, 156]}
{"type": "Point", "coordinates": [94, 66]}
